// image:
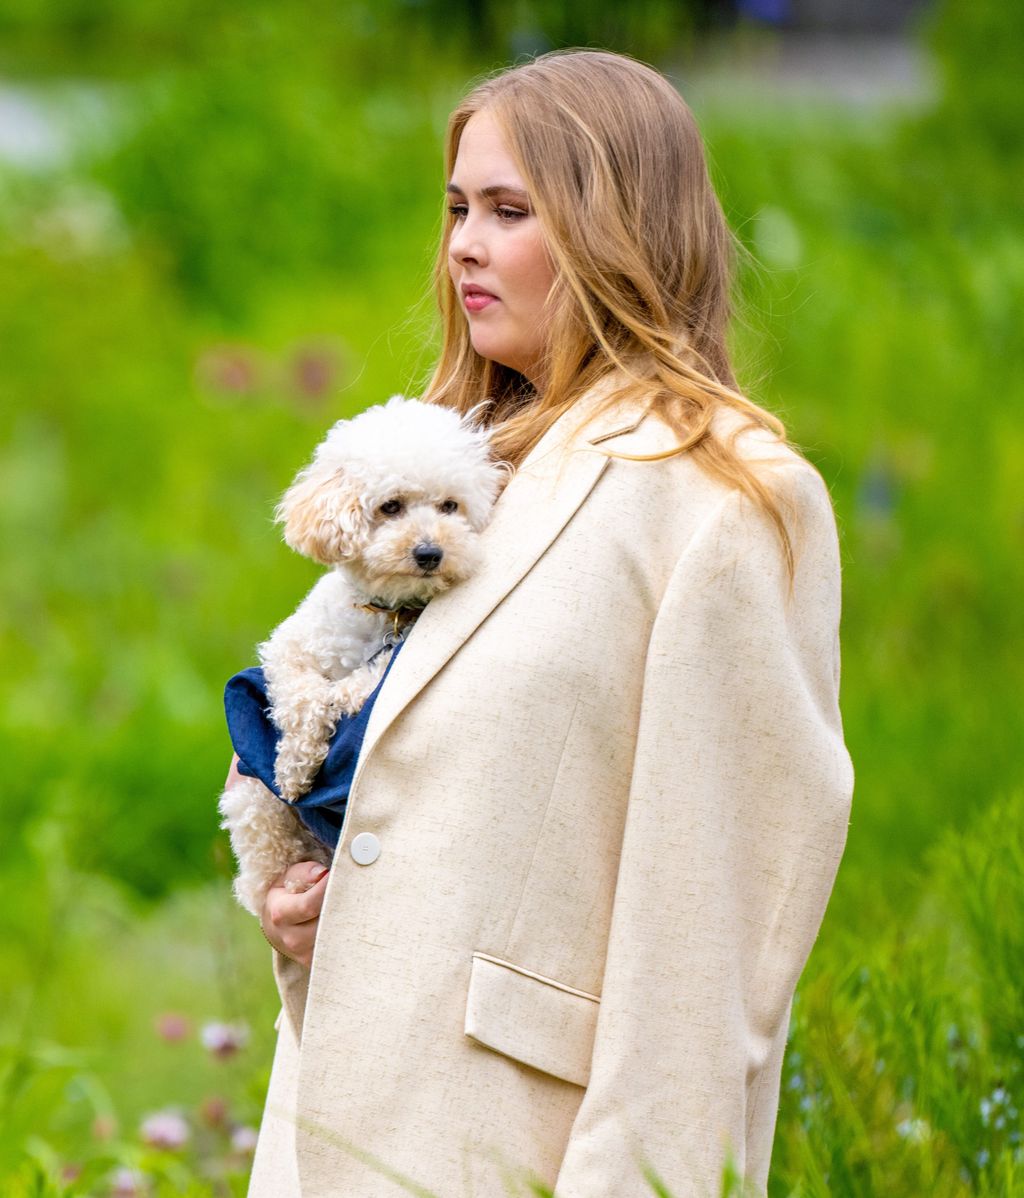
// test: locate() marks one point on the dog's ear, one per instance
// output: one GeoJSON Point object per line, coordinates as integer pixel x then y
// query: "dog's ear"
{"type": "Point", "coordinates": [323, 518]}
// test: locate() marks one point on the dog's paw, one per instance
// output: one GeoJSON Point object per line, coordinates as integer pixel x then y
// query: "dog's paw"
{"type": "Point", "coordinates": [348, 695]}
{"type": "Point", "coordinates": [296, 765]}
{"type": "Point", "coordinates": [308, 715]}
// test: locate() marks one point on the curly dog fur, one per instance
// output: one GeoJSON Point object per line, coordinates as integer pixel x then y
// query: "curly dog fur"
{"type": "Point", "coordinates": [394, 502]}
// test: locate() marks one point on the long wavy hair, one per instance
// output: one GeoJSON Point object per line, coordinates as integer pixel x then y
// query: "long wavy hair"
{"type": "Point", "coordinates": [643, 258]}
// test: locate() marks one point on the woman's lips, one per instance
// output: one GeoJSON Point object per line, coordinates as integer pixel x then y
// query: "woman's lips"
{"type": "Point", "coordinates": [476, 299]}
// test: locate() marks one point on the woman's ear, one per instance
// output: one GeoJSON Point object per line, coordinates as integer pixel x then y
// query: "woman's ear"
{"type": "Point", "coordinates": [323, 516]}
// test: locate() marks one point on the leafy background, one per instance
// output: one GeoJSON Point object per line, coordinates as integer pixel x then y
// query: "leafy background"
{"type": "Point", "coordinates": [223, 246]}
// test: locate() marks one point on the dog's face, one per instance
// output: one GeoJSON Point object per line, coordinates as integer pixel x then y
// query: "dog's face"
{"type": "Point", "coordinates": [397, 497]}
{"type": "Point", "coordinates": [415, 545]}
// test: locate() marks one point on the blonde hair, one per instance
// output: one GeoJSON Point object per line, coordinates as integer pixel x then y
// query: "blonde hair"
{"type": "Point", "coordinates": [643, 257]}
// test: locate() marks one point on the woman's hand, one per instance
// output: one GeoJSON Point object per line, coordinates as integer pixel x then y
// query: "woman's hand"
{"type": "Point", "coordinates": [291, 911]}
{"type": "Point", "coordinates": [233, 774]}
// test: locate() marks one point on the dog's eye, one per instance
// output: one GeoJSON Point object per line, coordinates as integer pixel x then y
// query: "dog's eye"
{"type": "Point", "coordinates": [391, 508]}
{"type": "Point", "coordinates": [448, 507]}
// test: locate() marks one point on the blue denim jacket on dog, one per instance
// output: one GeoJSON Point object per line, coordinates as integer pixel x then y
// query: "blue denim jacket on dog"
{"type": "Point", "coordinates": [254, 738]}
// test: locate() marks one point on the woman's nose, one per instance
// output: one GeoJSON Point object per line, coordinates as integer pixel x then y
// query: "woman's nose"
{"type": "Point", "coordinates": [465, 245]}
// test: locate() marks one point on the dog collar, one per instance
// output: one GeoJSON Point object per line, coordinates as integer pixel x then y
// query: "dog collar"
{"type": "Point", "coordinates": [401, 616]}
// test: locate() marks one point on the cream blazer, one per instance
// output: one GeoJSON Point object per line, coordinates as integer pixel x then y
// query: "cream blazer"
{"type": "Point", "coordinates": [605, 794]}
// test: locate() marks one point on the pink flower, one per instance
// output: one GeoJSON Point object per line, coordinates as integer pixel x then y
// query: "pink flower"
{"type": "Point", "coordinates": [243, 1140]}
{"type": "Point", "coordinates": [172, 1027]}
{"type": "Point", "coordinates": [165, 1129]}
{"type": "Point", "coordinates": [127, 1183]}
{"type": "Point", "coordinates": [313, 370]}
{"type": "Point", "coordinates": [228, 368]}
{"type": "Point", "coordinates": [223, 1040]}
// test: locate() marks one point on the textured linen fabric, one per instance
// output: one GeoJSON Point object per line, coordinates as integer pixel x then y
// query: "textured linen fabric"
{"type": "Point", "coordinates": [611, 792]}
{"type": "Point", "coordinates": [254, 737]}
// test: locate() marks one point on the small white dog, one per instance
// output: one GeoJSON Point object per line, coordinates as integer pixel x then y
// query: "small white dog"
{"type": "Point", "coordinates": [394, 501]}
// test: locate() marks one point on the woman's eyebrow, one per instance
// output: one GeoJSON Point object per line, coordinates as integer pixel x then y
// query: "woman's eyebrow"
{"type": "Point", "coordinates": [488, 193]}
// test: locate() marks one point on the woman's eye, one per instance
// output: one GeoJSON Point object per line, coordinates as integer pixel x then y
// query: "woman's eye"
{"type": "Point", "coordinates": [391, 508]}
{"type": "Point", "coordinates": [448, 506]}
{"type": "Point", "coordinates": [461, 211]}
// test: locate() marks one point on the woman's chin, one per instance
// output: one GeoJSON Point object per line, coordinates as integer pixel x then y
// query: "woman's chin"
{"type": "Point", "coordinates": [495, 350]}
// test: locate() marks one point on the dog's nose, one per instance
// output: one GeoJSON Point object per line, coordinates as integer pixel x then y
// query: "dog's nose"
{"type": "Point", "coordinates": [428, 557]}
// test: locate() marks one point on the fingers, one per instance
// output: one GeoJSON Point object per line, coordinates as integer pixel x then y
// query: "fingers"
{"type": "Point", "coordinates": [303, 907]}
{"type": "Point", "coordinates": [233, 774]}
{"type": "Point", "coordinates": [283, 912]}
{"type": "Point", "coordinates": [296, 941]}
{"type": "Point", "coordinates": [301, 876]}
{"type": "Point", "coordinates": [306, 872]}
{"type": "Point", "coordinates": [290, 916]}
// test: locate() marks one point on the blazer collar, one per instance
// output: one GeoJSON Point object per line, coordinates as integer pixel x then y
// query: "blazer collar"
{"type": "Point", "coordinates": [557, 475]}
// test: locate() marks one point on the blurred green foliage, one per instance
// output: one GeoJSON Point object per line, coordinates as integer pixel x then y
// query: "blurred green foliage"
{"type": "Point", "coordinates": [273, 159]}
{"type": "Point", "coordinates": [883, 345]}
{"type": "Point", "coordinates": [903, 1074]}
{"type": "Point", "coordinates": [126, 37]}
{"type": "Point", "coordinates": [977, 44]}
{"type": "Point", "coordinates": [237, 252]}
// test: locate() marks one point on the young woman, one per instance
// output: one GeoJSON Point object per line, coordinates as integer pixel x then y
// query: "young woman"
{"type": "Point", "coordinates": [605, 780]}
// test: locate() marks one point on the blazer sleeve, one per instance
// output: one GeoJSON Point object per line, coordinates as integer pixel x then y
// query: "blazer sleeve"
{"type": "Point", "coordinates": [736, 822]}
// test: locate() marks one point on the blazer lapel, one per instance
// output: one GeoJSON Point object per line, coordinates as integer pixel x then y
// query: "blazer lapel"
{"type": "Point", "coordinates": [552, 482]}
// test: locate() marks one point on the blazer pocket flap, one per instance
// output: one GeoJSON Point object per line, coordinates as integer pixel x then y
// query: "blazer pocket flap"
{"type": "Point", "coordinates": [535, 1020]}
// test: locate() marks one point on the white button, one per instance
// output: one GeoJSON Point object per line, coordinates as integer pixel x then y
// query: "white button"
{"type": "Point", "coordinates": [365, 848]}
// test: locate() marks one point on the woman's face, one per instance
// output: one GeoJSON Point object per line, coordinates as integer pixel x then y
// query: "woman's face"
{"type": "Point", "coordinates": [496, 255]}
